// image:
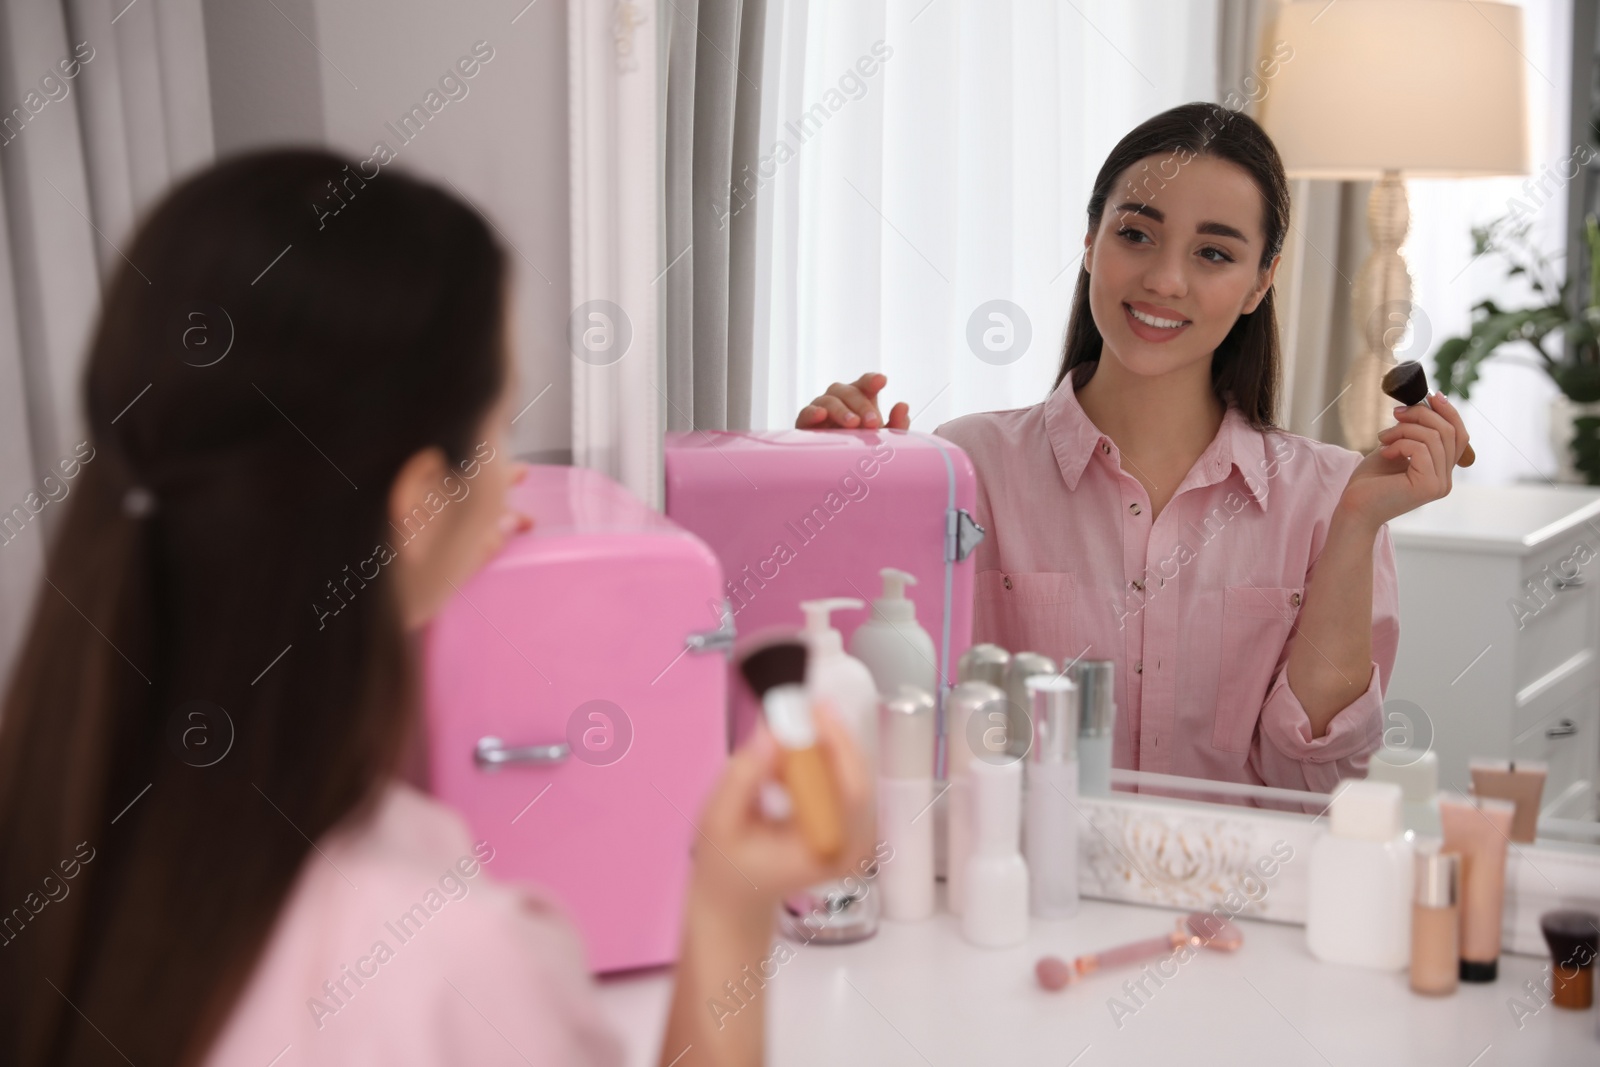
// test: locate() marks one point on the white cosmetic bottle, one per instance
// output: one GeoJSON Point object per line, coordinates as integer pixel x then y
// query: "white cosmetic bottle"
{"type": "Point", "coordinates": [895, 649]}
{"type": "Point", "coordinates": [832, 674]}
{"type": "Point", "coordinates": [1360, 883]}
{"type": "Point", "coordinates": [979, 663]}
{"type": "Point", "coordinates": [995, 912]}
{"type": "Point", "coordinates": [846, 910]}
{"type": "Point", "coordinates": [1050, 829]}
{"type": "Point", "coordinates": [969, 709]}
{"type": "Point", "coordinates": [905, 793]}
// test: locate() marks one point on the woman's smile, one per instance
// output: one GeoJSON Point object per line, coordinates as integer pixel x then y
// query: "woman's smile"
{"type": "Point", "coordinates": [1151, 323]}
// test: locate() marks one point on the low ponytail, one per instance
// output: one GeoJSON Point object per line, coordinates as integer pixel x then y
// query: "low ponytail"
{"type": "Point", "coordinates": [179, 712]}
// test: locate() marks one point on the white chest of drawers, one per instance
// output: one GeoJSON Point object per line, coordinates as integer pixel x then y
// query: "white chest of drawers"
{"type": "Point", "coordinates": [1500, 635]}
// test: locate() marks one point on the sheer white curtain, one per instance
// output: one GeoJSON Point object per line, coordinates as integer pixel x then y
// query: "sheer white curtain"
{"type": "Point", "coordinates": [923, 159]}
{"type": "Point", "coordinates": [1509, 413]}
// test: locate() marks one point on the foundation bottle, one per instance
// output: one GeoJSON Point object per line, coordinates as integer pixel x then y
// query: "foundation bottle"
{"type": "Point", "coordinates": [1436, 925]}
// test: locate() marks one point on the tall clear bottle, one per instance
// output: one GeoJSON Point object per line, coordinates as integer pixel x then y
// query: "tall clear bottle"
{"type": "Point", "coordinates": [1050, 828]}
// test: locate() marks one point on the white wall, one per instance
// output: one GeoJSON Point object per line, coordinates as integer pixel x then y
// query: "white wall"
{"type": "Point", "coordinates": [1509, 413]}
{"type": "Point", "coordinates": [335, 72]}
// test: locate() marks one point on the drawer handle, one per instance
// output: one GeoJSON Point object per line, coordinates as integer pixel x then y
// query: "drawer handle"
{"type": "Point", "coordinates": [491, 754]}
{"type": "Point", "coordinates": [1561, 583]}
{"type": "Point", "coordinates": [1565, 728]}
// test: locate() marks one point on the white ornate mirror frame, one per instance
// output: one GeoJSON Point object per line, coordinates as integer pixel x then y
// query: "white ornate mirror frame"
{"type": "Point", "coordinates": [1254, 862]}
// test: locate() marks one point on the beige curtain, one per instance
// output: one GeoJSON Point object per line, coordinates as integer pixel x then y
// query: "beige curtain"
{"type": "Point", "coordinates": [1326, 245]}
{"type": "Point", "coordinates": [713, 108]}
{"type": "Point", "coordinates": [101, 107]}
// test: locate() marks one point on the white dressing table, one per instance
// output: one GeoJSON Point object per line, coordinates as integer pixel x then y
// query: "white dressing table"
{"type": "Point", "coordinates": [917, 994]}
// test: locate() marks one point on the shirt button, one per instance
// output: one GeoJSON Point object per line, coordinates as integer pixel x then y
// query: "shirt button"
{"type": "Point", "coordinates": [1295, 599]}
{"type": "Point", "coordinates": [1008, 581]}
{"type": "Point", "coordinates": [1137, 584]}
{"type": "Point", "coordinates": [1105, 448]}
{"type": "Point", "coordinates": [1138, 668]}
{"type": "Point", "coordinates": [1134, 508]}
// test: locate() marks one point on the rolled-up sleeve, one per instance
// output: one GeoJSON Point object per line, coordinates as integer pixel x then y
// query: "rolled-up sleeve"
{"type": "Point", "coordinates": [1285, 754]}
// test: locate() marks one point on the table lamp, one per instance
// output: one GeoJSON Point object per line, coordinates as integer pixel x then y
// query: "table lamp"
{"type": "Point", "coordinates": [1381, 89]}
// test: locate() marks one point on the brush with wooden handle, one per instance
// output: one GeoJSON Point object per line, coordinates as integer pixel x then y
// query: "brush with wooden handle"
{"type": "Point", "coordinates": [1408, 383]}
{"type": "Point", "coordinates": [776, 674]}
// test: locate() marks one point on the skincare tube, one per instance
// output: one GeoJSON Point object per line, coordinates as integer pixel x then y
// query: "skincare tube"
{"type": "Point", "coordinates": [905, 794]}
{"type": "Point", "coordinates": [970, 706]}
{"type": "Point", "coordinates": [1478, 829]}
{"type": "Point", "coordinates": [1097, 716]}
{"type": "Point", "coordinates": [1050, 830]}
{"type": "Point", "coordinates": [1521, 782]}
{"type": "Point", "coordinates": [995, 914]}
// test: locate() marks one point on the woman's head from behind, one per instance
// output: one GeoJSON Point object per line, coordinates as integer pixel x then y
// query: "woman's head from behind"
{"type": "Point", "coordinates": [1186, 220]}
{"type": "Point", "coordinates": [297, 422]}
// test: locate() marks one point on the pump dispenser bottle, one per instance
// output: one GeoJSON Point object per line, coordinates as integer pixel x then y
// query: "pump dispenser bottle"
{"type": "Point", "coordinates": [842, 911]}
{"type": "Point", "coordinates": [832, 674]}
{"type": "Point", "coordinates": [895, 649]}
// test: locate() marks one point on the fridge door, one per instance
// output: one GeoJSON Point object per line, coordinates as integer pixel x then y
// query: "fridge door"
{"type": "Point", "coordinates": [576, 708]}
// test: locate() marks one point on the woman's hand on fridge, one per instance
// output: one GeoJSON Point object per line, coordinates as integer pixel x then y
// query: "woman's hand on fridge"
{"type": "Point", "coordinates": [853, 407]}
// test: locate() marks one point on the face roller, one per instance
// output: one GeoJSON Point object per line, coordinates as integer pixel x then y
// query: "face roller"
{"type": "Point", "coordinates": [1198, 929]}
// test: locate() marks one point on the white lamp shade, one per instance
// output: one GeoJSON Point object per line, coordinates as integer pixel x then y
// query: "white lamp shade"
{"type": "Point", "coordinates": [1433, 88]}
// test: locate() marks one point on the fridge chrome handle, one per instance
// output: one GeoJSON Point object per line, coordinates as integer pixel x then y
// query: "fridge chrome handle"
{"type": "Point", "coordinates": [491, 753]}
{"type": "Point", "coordinates": [719, 640]}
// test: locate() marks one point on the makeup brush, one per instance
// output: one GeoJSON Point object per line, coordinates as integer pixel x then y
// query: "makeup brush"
{"type": "Point", "coordinates": [1198, 929]}
{"type": "Point", "coordinates": [1573, 937]}
{"type": "Point", "coordinates": [775, 671]}
{"type": "Point", "coordinates": [1407, 382]}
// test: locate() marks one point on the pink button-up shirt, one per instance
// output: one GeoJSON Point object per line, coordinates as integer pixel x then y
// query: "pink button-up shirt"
{"type": "Point", "coordinates": [1195, 607]}
{"type": "Point", "coordinates": [397, 947]}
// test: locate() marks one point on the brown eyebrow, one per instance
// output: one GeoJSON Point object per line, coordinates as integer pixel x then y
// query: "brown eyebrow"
{"type": "Point", "coordinates": [1219, 229]}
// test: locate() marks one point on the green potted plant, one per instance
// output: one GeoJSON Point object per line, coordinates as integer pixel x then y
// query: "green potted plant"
{"type": "Point", "coordinates": [1565, 341]}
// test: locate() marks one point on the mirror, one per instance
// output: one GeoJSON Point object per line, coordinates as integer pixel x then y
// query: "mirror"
{"type": "Point", "coordinates": [907, 192]}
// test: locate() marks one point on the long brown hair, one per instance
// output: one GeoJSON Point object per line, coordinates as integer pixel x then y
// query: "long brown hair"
{"type": "Point", "coordinates": [1247, 366]}
{"type": "Point", "coordinates": [225, 501]}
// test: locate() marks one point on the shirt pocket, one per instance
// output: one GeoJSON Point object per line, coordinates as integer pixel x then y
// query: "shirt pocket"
{"type": "Point", "coordinates": [1027, 611]}
{"type": "Point", "coordinates": [1256, 621]}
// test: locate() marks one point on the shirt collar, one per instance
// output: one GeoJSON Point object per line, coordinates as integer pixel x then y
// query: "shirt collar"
{"type": "Point", "coordinates": [1238, 446]}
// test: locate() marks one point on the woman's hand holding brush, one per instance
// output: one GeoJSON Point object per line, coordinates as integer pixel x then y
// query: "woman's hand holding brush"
{"type": "Point", "coordinates": [744, 863]}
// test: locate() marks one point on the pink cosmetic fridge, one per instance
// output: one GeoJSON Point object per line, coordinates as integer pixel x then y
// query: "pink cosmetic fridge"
{"type": "Point", "coordinates": [802, 514]}
{"type": "Point", "coordinates": [576, 694]}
